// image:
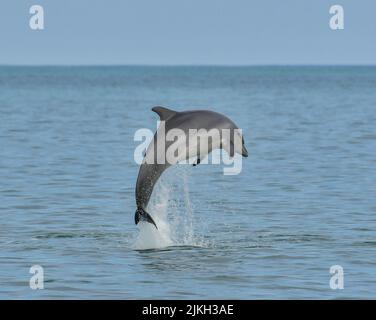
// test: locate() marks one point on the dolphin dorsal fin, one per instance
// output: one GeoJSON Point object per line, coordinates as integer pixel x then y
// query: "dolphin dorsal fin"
{"type": "Point", "coordinates": [164, 113]}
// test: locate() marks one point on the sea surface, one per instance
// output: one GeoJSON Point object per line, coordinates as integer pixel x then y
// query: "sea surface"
{"type": "Point", "coordinates": [305, 199]}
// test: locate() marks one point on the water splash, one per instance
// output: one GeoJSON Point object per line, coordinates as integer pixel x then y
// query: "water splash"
{"type": "Point", "coordinates": [172, 211]}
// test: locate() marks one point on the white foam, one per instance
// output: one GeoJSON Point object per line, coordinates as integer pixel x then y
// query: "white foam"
{"type": "Point", "coordinates": [172, 211]}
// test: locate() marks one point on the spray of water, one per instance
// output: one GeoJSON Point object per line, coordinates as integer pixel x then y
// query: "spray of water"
{"type": "Point", "coordinates": [172, 211]}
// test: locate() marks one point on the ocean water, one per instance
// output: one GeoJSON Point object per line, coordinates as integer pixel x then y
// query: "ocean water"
{"type": "Point", "coordinates": [304, 201]}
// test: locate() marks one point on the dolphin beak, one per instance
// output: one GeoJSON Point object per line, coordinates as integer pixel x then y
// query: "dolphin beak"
{"type": "Point", "coordinates": [244, 152]}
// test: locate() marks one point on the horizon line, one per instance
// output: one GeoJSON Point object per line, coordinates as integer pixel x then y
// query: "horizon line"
{"type": "Point", "coordinates": [194, 65]}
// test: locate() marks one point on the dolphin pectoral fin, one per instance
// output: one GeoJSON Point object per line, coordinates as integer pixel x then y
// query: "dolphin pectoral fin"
{"type": "Point", "coordinates": [197, 162]}
{"type": "Point", "coordinates": [244, 152]}
{"type": "Point", "coordinates": [142, 215]}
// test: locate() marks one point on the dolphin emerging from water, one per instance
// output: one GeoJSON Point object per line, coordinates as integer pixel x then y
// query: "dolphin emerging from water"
{"type": "Point", "coordinates": [152, 167]}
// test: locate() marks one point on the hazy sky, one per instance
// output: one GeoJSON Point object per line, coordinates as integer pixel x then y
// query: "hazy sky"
{"type": "Point", "coordinates": [229, 32]}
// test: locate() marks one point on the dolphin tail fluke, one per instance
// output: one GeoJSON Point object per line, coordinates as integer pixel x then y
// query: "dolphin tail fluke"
{"type": "Point", "coordinates": [142, 215]}
{"type": "Point", "coordinates": [244, 151]}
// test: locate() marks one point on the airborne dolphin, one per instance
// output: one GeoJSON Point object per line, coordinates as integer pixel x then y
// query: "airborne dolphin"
{"type": "Point", "coordinates": [151, 169]}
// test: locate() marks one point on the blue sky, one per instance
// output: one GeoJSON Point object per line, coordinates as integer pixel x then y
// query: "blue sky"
{"type": "Point", "coordinates": [180, 32]}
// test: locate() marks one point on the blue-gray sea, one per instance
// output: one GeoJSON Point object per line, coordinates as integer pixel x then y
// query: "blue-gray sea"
{"type": "Point", "coordinates": [304, 201]}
